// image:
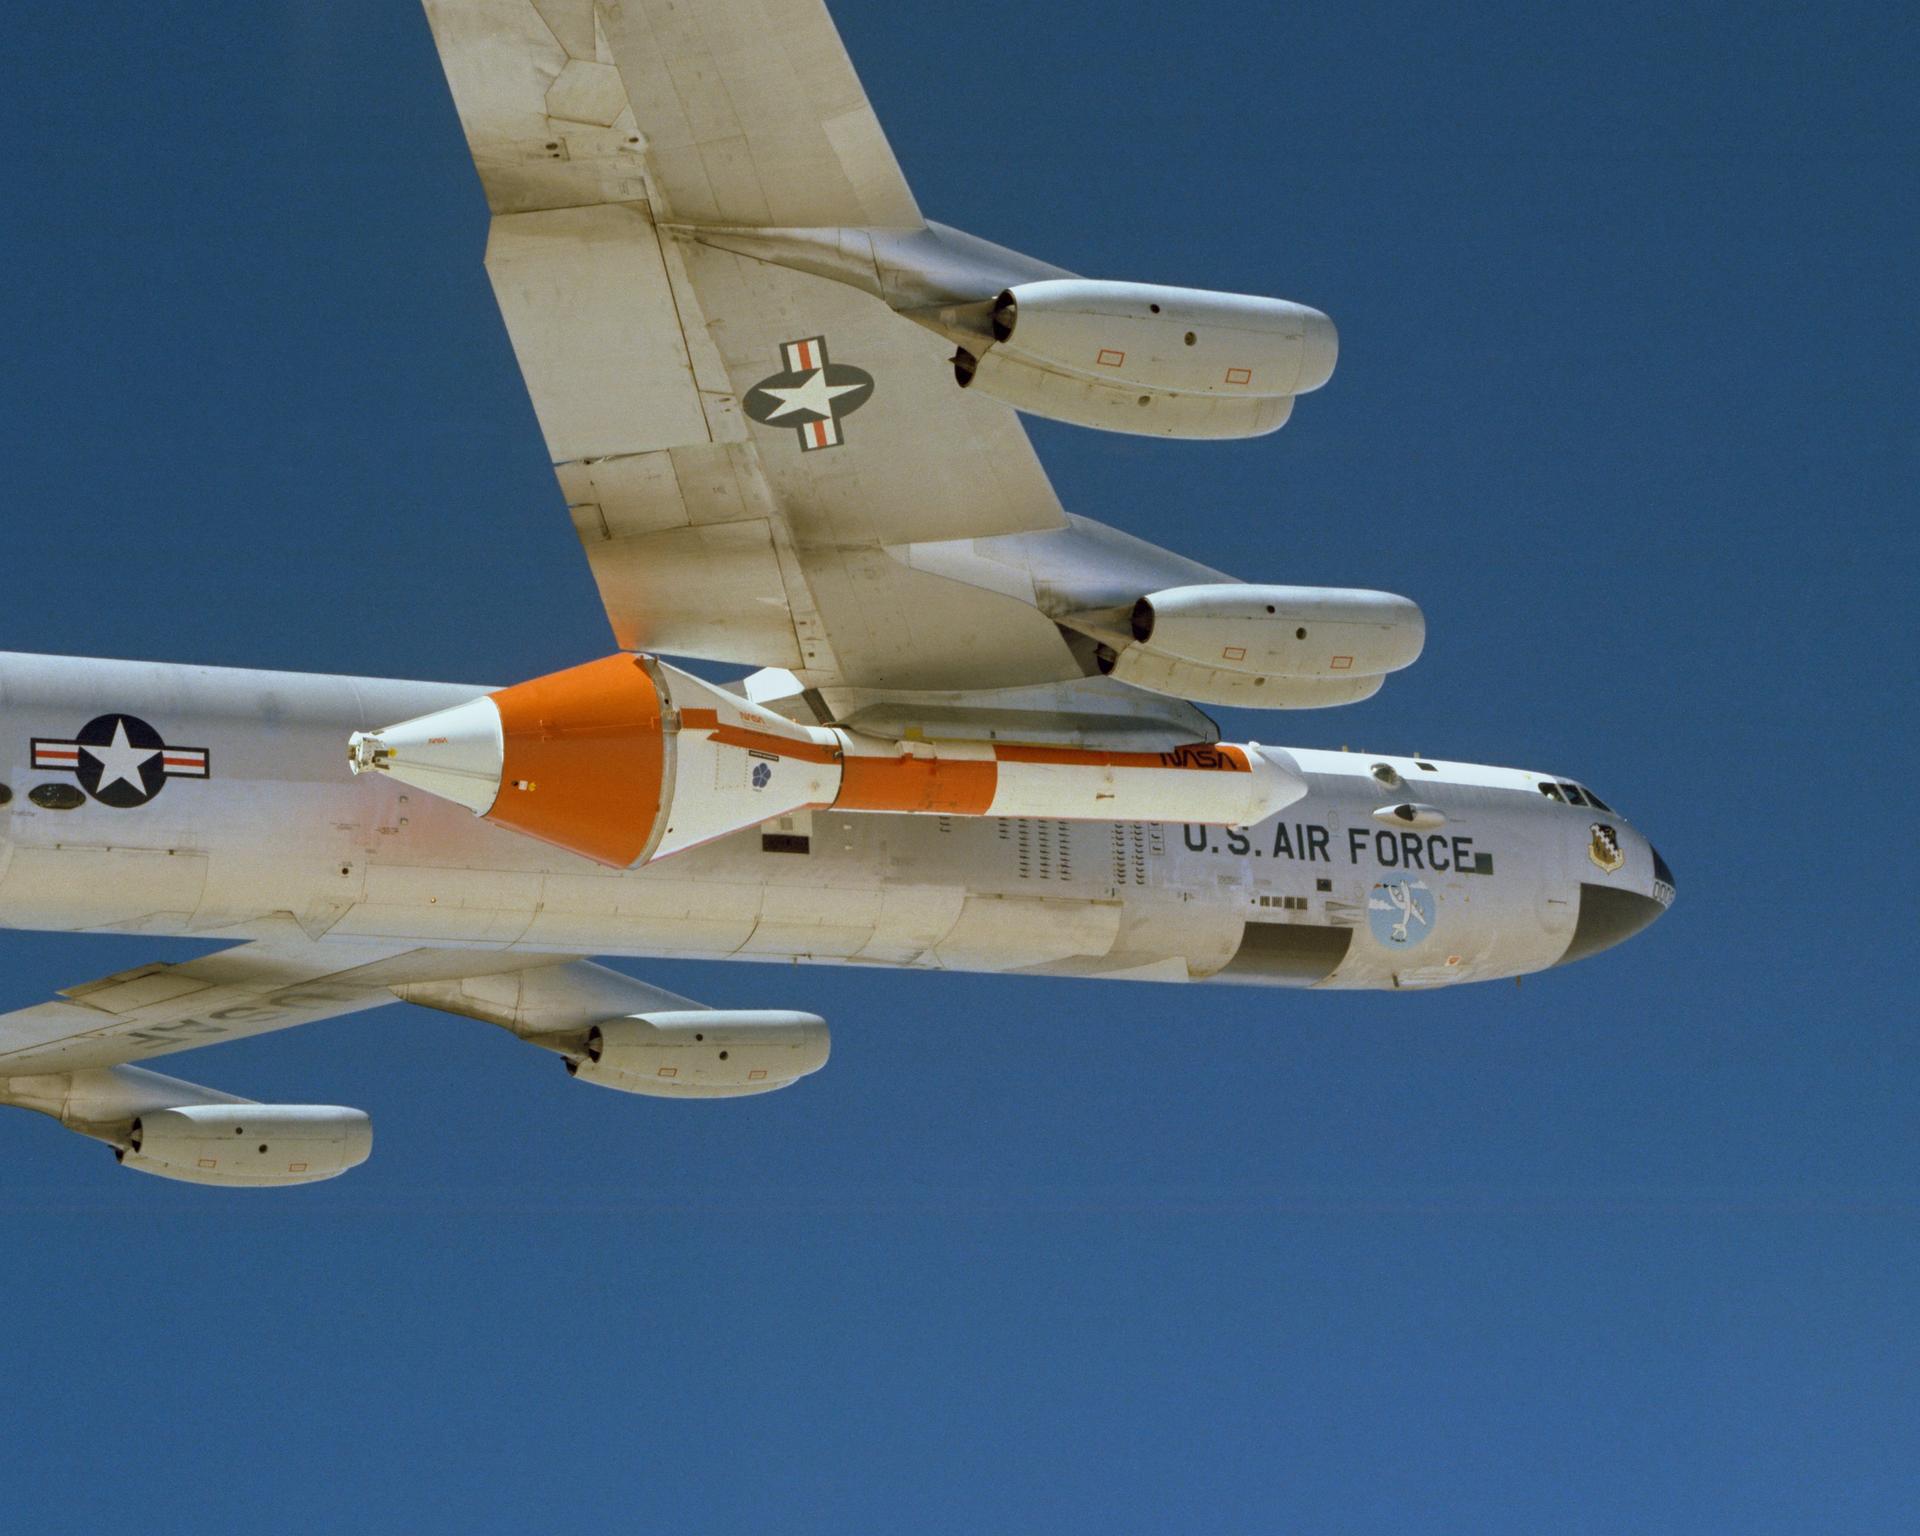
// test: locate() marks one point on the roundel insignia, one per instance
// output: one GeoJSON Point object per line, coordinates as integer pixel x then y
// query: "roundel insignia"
{"type": "Point", "coordinates": [120, 760]}
{"type": "Point", "coordinates": [1605, 850]}
{"type": "Point", "coordinates": [1400, 912]}
{"type": "Point", "coordinates": [811, 394]}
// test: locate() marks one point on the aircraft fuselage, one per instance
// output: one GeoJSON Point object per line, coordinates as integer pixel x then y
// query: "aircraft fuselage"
{"type": "Point", "coordinates": [216, 803]}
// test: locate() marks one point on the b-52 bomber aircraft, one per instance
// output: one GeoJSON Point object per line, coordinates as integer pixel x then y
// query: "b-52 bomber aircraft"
{"type": "Point", "coordinates": [782, 409]}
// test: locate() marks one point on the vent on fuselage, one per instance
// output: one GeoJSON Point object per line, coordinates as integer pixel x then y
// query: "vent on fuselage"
{"type": "Point", "coordinates": [1043, 850]}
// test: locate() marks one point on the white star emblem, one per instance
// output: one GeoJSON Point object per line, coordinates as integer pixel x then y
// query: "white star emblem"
{"type": "Point", "coordinates": [120, 761]}
{"type": "Point", "coordinates": [816, 395]}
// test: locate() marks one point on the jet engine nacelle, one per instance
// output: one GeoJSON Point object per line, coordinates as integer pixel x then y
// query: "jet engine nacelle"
{"type": "Point", "coordinates": [705, 1053]}
{"type": "Point", "coordinates": [1134, 357]}
{"type": "Point", "coordinates": [1268, 647]}
{"type": "Point", "coordinates": [248, 1145]}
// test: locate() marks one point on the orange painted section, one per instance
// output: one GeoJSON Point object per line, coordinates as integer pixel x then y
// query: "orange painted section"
{"type": "Point", "coordinates": [1204, 757]}
{"type": "Point", "coordinates": [708, 720]}
{"type": "Point", "coordinates": [950, 788]}
{"type": "Point", "coordinates": [587, 746]}
{"type": "Point", "coordinates": [766, 741]}
{"type": "Point", "coordinates": [964, 787]}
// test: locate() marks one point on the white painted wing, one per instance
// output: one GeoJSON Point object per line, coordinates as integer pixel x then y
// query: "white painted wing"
{"type": "Point", "coordinates": [753, 115]}
{"type": "Point", "coordinates": [712, 534]}
{"type": "Point", "coordinates": [747, 111]}
{"type": "Point", "coordinates": [251, 989]}
{"type": "Point", "coordinates": [546, 999]}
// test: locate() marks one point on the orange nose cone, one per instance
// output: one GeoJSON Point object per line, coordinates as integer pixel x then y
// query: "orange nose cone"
{"type": "Point", "coordinates": [584, 760]}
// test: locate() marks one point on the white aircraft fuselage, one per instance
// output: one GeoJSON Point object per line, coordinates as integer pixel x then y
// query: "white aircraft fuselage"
{"type": "Point", "coordinates": [1392, 872]}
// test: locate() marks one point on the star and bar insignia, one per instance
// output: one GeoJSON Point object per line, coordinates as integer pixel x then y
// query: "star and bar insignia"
{"type": "Point", "coordinates": [812, 394]}
{"type": "Point", "coordinates": [120, 760]}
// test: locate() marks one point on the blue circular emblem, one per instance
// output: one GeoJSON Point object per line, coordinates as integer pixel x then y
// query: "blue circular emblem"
{"type": "Point", "coordinates": [1400, 912]}
{"type": "Point", "coordinates": [762, 775]}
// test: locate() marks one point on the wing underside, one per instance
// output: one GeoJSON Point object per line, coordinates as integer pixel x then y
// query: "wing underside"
{"type": "Point", "coordinates": [256, 988]}
{"type": "Point", "coordinates": [250, 989]}
{"type": "Point", "coordinates": [604, 136]}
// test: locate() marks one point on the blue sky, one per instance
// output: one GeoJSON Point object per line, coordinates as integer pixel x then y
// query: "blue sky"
{"type": "Point", "coordinates": [1625, 400]}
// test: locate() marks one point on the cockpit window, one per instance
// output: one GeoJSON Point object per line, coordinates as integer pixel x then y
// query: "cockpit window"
{"type": "Point", "coordinates": [1569, 793]}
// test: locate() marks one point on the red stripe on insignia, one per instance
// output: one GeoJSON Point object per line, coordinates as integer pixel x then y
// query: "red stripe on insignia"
{"type": "Point", "coordinates": [199, 760]}
{"type": "Point", "coordinates": [819, 434]}
{"type": "Point", "coordinates": [806, 354]}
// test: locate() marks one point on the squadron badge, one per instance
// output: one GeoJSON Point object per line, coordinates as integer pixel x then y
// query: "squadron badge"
{"type": "Point", "coordinates": [120, 760]}
{"type": "Point", "coordinates": [1400, 912]}
{"type": "Point", "coordinates": [1604, 849]}
{"type": "Point", "coordinates": [810, 394]}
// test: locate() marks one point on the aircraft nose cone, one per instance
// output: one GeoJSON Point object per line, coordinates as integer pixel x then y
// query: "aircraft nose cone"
{"type": "Point", "coordinates": [455, 753]}
{"type": "Point", "coordinates": [1612, 914]}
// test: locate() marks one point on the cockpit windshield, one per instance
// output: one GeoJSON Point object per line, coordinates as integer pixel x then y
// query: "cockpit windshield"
{"type": "Point", "coordinates": [1569, 793]}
